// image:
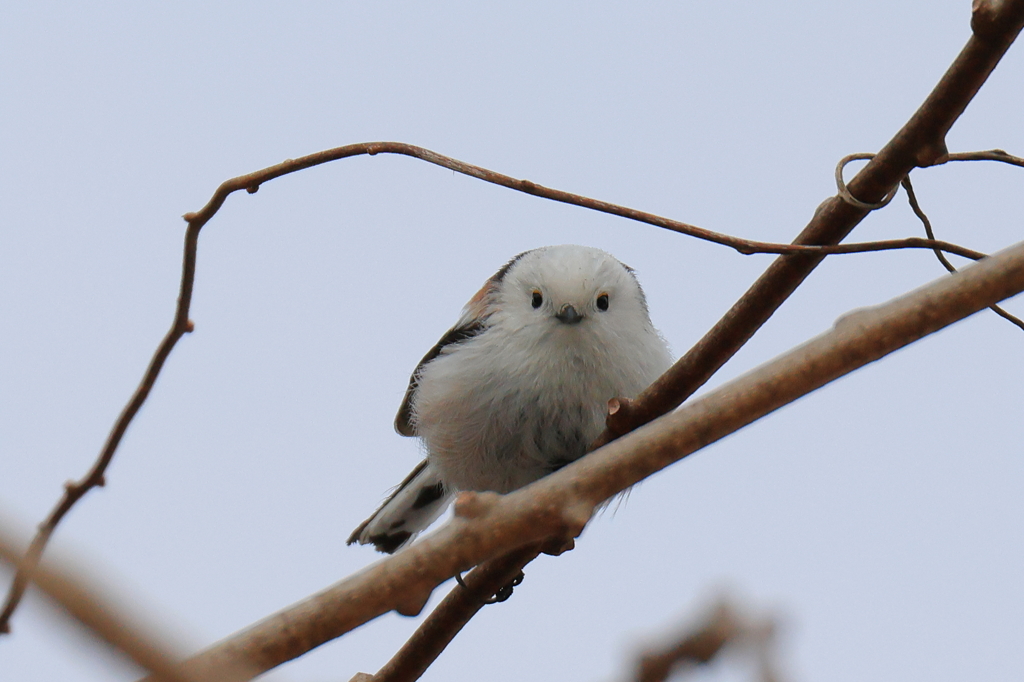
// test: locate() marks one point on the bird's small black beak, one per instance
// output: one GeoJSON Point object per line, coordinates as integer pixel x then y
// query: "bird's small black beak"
{"type": "Point", "coordinates": [568, 314]}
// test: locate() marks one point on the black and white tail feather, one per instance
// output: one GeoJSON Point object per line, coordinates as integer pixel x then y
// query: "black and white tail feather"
{"type": "Point", "coordinates": [519, 386]}
{"type": "Point", "coordinates": [415, 504]}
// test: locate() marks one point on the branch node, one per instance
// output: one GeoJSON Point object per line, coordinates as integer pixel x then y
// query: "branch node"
{"type": "Point", "coordinates": [844, 192]}
{"type": "Point", "coordinates": [854, 319]}
{"type": "Point", "coordinates": [558, 546]}
{"type": "Point", "coordinates": [527, 186]}
{"type": "Point", "coordinates": [189, 217]}
{"type": "Point", "coordinates": [933, 153]}
{"type": "Point", "coordinates": [190, 326]}
{"type": "Point", "coordinates": [576, 515]}
{"type": "Point", "coordinates": [412, 604]}
{"type": "Point", "coordinates": [252, 189]}
{"type": "Point", "coordinates": [472, 505]}
{"type": "Point", "coordinates": [985, 17]}
{"type": "Point", "coordinates": [621, 416]}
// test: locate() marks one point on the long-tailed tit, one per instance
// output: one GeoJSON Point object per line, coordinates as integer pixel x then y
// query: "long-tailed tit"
{"type": "Point", "coordinates": [519, 386]}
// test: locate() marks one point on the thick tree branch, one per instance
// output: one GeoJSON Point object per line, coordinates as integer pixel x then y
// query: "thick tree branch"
{"type": "Point", "coordinates": [558, 506]}
{"type": "Point", "coordinates": [915, 144]}
{"type": "Point", "coordinates": [921, 142]}
{"type": "Point", "coordinates": [996, 24]}
{"type": "Point", "coordinates": [75, 490]}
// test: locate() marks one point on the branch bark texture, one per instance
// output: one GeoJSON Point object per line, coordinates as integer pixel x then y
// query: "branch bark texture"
{"type": "Point", "coordinates": [558, 506]}
{"type": "Point", "coordinates": [996, 24]}
{"type": "Point", "coordinates": [921, 142]}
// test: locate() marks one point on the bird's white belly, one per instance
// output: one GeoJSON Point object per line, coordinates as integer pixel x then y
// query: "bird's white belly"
{"type": "Point", "coordinates": [491, 427]}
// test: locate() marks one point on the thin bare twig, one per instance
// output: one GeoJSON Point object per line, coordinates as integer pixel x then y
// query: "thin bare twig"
{"type": "Point", "coordinates": [919, 212]}
{"type": "Point", "coordinates": [920, 142]}
{"type": "Point", "coordinates": [253, 181]}
{"type": "Point", "coordinates": [558, 506]}
{"type": "Point", "coordinates": [990, 155]}
{"type": "Point", "coordinates": [75, 490]}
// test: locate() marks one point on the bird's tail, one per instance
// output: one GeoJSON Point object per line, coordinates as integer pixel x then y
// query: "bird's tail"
{"type": "Point", "coordinates": [414, 505]}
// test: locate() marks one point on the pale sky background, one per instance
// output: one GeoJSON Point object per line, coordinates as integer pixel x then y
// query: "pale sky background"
{"type": "Point", "coordinates": [881, 518]}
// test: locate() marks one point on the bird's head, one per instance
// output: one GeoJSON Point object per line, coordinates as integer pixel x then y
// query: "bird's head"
{"type": "Point", "coordinates": [562, 288]}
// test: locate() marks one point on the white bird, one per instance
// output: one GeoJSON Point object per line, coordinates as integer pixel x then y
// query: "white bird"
{"type": "Point", "coordinates": [519, 387]}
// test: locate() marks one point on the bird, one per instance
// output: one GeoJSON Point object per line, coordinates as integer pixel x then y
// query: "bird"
{"type": "Point", "coordinates": [519, 387]}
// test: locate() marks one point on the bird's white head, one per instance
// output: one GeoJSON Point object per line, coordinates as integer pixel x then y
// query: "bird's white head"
{"type": "Point", "coordinates": [568, 287]}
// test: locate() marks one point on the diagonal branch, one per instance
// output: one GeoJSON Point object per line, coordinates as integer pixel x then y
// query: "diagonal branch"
{"type": "Point", "coordinates": [75, 490]}
{"type": "Point", "coordinates": [921, 142]}
{"type": "Point", "coordinates": [996, 24]}
{"type": "Point", "coordinates": [558, 506]}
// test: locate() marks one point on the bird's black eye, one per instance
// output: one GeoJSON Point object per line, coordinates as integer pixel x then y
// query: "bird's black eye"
{"type": "Point", "coordinates": [537, 299]}
{"type": "Point", "coordinates": [602, 302]}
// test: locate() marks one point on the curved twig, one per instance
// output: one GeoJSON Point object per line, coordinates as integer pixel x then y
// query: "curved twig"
{"type": "Point", "coordinates": [919, 212]}
{"type": "Point", "coordinates": [253, 181]}
{"type": "Point", "coordinates": [74, 491]}
{"type": "Point", "coordinates": [844, 191]}
{"type": "Point", "coordinates": [558, 506]}
{"type": "Point", "coordinates": [919, 143]}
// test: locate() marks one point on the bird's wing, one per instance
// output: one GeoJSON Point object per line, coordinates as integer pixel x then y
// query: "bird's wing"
{"type": "Point", "coordinates": [472, 322]}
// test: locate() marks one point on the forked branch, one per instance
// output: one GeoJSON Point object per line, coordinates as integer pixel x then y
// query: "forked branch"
{"type": "Point", "coordinates": [558, 506]}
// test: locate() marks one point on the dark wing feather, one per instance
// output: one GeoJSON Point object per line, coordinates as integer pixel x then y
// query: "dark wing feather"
{"type": "Point", "coordinates": [472, 322]}
{"type": "Point", "coordinates": [403, 421]}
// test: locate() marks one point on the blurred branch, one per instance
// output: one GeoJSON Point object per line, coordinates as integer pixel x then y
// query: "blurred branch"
{"type": "Point", "coordinates": [558, 506]}
{"type": "Point", "coordinates": [996, 24]}
{"type": "Point", "coordinates": [722, 627]}
{"type": "Point", "coordinates": [108, 622]}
